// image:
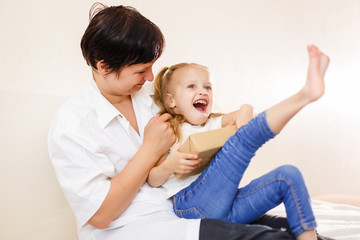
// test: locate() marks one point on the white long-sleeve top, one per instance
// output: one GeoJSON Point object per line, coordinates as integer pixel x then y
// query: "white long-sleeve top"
{"type": "Point", "coordinates": [90, 142]}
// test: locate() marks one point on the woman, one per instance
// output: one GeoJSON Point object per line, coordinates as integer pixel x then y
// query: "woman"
{"type": "Point", "coordinates": [104, 141]}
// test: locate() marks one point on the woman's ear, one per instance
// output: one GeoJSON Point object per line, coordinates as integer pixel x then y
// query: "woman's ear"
{"type": "Point", "coordinates": [102, 68]}
{"type": "Point", "coordinates": [170, 101]}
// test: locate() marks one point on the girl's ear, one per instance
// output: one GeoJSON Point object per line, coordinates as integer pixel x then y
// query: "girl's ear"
{"type": "Point", "coordinates": [170, 101]}
{"type": "Point", "coordinates": [102, 68]}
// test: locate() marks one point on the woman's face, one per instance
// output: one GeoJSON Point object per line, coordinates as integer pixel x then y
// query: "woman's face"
{"type": "Point", "coordinates": [190, 94]}
{"type": "Point", "coordinates": [129, 80]}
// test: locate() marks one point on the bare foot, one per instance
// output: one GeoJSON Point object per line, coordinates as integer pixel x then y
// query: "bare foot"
{"type": "Point", "coordinates": [318, 62]}
{"type": "Point", "coordinates": [307, 235]}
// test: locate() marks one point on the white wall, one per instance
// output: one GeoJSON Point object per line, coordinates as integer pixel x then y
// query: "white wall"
{"type": "Point", "coordinates": [256, 51]}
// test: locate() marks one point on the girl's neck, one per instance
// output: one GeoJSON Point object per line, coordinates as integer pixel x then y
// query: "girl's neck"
{"type": "Point", "coordinates": [200, 125]}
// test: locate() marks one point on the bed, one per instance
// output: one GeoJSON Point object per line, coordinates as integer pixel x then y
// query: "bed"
{"type": "Point", "coordinates": [337, 221]}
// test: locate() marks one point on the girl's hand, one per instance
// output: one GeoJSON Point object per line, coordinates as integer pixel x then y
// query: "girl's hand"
{"type": "Point", "coordinates": [239, 117]}
{"type": "Point", "coordinates": [158, 135]}
{"type": "Point", "coordinates": [244, 115]}
{"type": "Point", "coordinates": [182, 163]}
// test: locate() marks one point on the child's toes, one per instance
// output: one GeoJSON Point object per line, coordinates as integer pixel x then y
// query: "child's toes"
{"type": "Point", "coordinates": [313, 51]}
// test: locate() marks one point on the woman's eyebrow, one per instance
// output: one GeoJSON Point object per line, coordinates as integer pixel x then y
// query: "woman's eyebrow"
{"type": "Point", "coordinates": [141, 69]}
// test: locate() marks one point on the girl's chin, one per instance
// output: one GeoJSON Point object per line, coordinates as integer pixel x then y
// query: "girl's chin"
{"type": "Point", "coordinates": [201, 120]}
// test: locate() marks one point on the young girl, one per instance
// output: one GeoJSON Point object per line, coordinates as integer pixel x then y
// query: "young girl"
{"type": "Point", "coordinates": [184, 91]}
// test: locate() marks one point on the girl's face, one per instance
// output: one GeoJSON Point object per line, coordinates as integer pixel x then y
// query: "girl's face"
{"type": "Point", "coordinates": [190, 94]}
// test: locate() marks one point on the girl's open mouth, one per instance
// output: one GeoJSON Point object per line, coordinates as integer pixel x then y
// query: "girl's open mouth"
{"type": "Point", "coordinates": [200, 105]}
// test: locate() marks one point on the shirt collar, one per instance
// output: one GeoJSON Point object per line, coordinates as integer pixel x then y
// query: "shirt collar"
{"type": "Point", "coordinates": [145, 95]}
{"type": "Point", "coordinates": [106, 112]}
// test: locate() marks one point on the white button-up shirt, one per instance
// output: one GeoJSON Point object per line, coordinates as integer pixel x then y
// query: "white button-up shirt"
{"type": "Point", "coordinates": [90, 142]}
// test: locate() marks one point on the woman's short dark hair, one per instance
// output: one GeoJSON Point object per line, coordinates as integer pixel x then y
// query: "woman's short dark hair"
{"type": "Point", "coordinates": [120, 36]}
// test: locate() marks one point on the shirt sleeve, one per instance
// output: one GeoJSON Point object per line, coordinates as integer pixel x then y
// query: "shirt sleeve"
{"type": "Point", "coordinates": [84, 181]}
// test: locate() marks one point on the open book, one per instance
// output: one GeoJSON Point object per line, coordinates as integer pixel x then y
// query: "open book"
{"type": "Point", "coordinates": [206, 145]}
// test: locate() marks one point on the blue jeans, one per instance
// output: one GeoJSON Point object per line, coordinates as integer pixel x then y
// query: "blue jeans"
{"type": "Point", "coordinates": [215, 193]}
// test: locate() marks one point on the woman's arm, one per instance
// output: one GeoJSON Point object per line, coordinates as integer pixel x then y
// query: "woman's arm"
{"type": "Point", "coordinates": [239, 117]}
{"type": "Point", "coordinates": [176, 162]}
{"type": "Point", "coordinates": [158, 138]}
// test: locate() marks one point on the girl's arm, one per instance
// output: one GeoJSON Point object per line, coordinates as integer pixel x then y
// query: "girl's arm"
{"type": "Point", "coordinates": [183, 163]}
{"type": "Point", "coordinates": [159, 174]}
{"type": "Point", "coordinates": [175, 162]}
{"type": "Point", "coordinates": [158, 138]}
{"type": "Point", "coordinates": [239, 117]}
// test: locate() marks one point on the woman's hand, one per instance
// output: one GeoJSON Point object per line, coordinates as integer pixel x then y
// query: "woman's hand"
{"type": "Point", "coordinates": [182, 163]}
{"type": "Point", "coordinates": [158, 135]}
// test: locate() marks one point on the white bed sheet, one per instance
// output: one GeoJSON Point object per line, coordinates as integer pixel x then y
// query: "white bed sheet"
{"type": "Point", "coordinates": [338, 221]}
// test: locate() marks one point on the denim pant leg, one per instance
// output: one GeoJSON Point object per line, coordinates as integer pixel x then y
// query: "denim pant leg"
{"type": "Point", "coordinates": [284, 184]}
{"type": "Point", "coordinates": [212, 194]}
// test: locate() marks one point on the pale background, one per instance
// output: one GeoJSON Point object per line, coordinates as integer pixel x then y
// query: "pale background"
{"type": "Point", "coordinates": [256, 52]}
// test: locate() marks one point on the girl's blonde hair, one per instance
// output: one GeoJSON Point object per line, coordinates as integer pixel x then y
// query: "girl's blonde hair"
{"type": "Point", "coordinates": [161, 84]}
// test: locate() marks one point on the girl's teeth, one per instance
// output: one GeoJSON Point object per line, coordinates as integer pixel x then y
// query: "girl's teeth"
{"type": "Point", "coordinates": [202, 102]}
